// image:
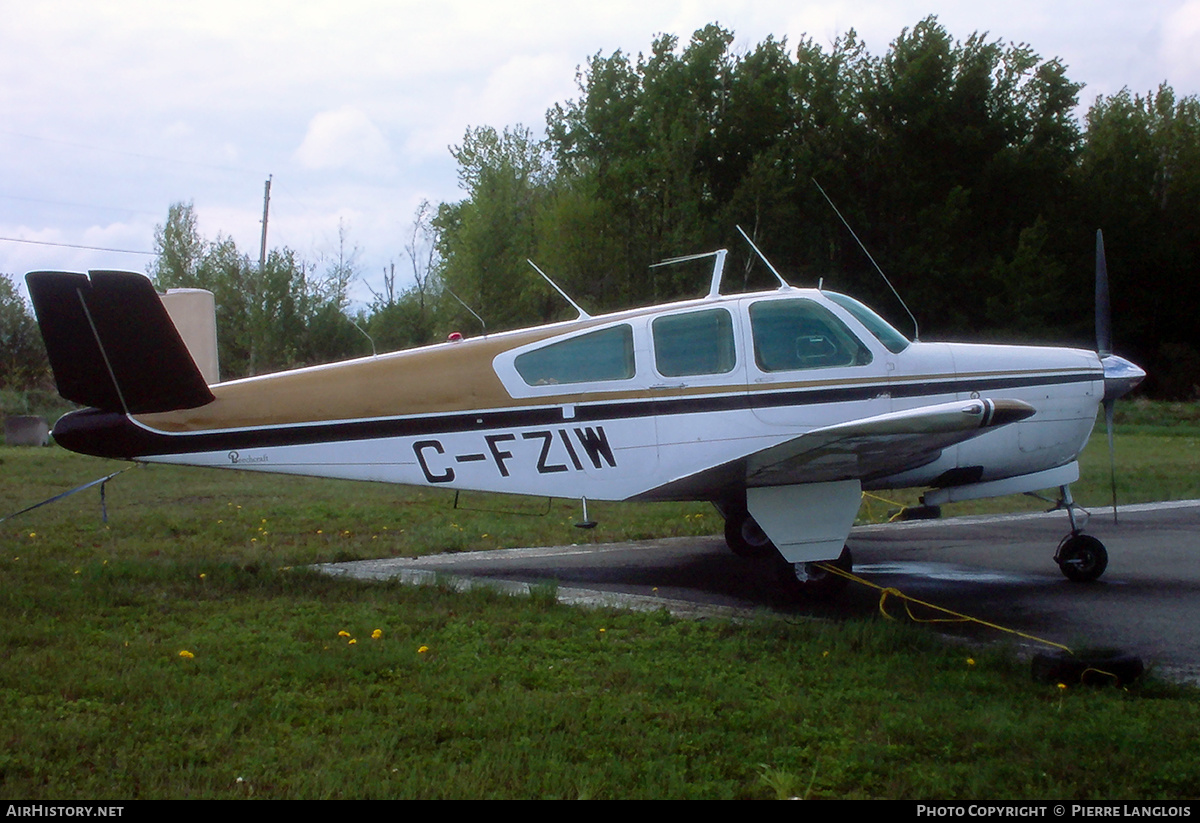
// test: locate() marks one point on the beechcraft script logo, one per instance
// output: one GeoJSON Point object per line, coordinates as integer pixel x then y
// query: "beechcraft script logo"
{"type": "Point", "coordinates": [237, 459]}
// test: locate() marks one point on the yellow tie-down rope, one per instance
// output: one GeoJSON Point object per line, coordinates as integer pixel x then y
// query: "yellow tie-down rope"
{"type": "Point", "coordinates": [896, 515]}
{"type": "Point", "coordinates": [886, 592]}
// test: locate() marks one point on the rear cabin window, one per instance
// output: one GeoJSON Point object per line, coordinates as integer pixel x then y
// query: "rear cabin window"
{"type": "Point", "coordinates": [791, 335]}
{"type": "Point", "coordinates": [606, 354]}
{"type": "Point", "coordinates": [696, 343]}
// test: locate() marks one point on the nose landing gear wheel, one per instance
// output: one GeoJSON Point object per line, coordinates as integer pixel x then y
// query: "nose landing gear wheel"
{"type": "Point", "coordinates": [1081, 558]}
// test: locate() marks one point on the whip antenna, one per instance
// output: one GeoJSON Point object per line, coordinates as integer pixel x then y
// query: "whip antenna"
{"type": "Point", "coordinates": [582, 314]}
{"type": "Point", "coordinates": [783, 284]}
{"type": "Point", "coordinates": [471, 310]}
{"type": "Point", "coordinates": [916, 330]}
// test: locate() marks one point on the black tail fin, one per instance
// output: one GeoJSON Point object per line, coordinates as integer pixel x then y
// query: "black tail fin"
{"type": "Point", "coordinates": [112, 344]}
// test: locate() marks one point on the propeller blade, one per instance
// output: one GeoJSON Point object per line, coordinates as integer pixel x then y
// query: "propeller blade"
{"type": "Point", "coordinates": [1120, 376]}
{"type": "Point", "coordinates": [1109, 407]}
{"type": "Point", "coordinates": [1103, 311]}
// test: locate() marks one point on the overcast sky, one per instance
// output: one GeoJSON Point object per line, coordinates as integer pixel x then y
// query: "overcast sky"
{"type": "Point", "coordinates": [110, 112]}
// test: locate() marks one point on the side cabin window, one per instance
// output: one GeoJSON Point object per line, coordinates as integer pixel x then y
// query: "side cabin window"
{"type": "Point", "coordinates": [800, 334]}
{"type": "Point", "coordinates": [606, 354]}
{"type": "Point", "coordinates": [699, 342]}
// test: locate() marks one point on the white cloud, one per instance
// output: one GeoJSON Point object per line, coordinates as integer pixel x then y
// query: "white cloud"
{"type": "Point", "coordinates": [1181, 44]}
{"type": "Point", "coordinates": [345, 139]}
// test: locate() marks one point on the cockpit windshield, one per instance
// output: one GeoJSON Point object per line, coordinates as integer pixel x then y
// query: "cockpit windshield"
{"type": "Point", "coordinates": [892, 340]}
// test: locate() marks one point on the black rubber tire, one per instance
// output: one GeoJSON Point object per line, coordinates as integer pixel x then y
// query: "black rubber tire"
{"type": "Point", "coordinates": [820, 584]}
{"type": "Point", "coordinates": [1081, 557]}
{"type": "Point", "coordinates": [920, 513]}
{"type": "Point", "coordinates": [1096, 667]}
{"type": "Point", "coordinates": [745, 537]}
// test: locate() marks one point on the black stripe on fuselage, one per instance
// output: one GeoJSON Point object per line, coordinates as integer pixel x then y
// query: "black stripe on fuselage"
{"type": "Point", "coordinates": [111, 434]}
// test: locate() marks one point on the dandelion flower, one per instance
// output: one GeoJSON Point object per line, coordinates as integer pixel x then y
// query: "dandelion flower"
{"type": "Point", "coordinates": [352, 642]}
{"type": "Point", "coordinates": [422, 650]}
{"type": "Point", "coordinates": [378, 633]}
{"type": "Point", "coordinates": [343, 633]}
{"type": "Point", "coordinates": [186, 655]}
{"type": "Point", "coordinates": [970, 661]}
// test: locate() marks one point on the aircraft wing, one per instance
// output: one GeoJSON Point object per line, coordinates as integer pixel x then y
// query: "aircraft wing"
{"type": "Point", "coordinates": [858, 449]}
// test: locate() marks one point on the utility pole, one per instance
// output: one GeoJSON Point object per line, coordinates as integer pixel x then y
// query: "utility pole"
{"type": "Point", "coordinates": [262, 251]}
{"type": "Point", "coordinates": [262, 266]}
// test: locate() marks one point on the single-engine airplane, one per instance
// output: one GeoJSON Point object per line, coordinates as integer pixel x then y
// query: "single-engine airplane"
{"type": "Point", "coordinates": [780, 407]}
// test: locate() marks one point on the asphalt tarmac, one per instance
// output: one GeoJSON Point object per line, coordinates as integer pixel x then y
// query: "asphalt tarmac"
{"type": "Point", "coordinates": [998, 569]}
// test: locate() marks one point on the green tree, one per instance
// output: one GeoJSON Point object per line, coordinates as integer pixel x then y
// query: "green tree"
{"type": "Point", "coordinates": [276, 317]}
{"type": "Point", "coordinates": [485, 239]}
{"type": "Point", "coordinates": [23, 363]}
{"type": "Point", "coordinates": [1140, 181]}
{"type": "Point", "coordinates": [643, 139]}
{"type": "Point", "coordinates": [971, 143]}
{"type": "Point", "coordinates": [179, 248]}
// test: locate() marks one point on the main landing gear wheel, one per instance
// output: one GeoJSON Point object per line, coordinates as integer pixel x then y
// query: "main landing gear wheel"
{"type": "Point", "coordinates": [811, 581]}
{"type": "Point", "coordinates": [745, 537]}
{"type": "Point", "coordinates": [1081, 557]}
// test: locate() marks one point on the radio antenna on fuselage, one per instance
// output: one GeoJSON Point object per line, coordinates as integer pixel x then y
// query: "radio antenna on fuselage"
{"type": "Point", "coordinates": [582, 314]}
{"type": "Point", "coordinates": [363, 331]}
{"type": "Point", "coordinates": [471, 310]}
{"type": "Point", "coordinates": [783, 284]}
{"type": "Point", "coordinates": [916, 330]}
{"type": "Point", "coordinates": [714, 289]}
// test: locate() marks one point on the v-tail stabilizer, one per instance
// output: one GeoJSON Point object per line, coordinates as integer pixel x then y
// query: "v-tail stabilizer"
{"type": "Point", "coordinates": [112, 345]}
